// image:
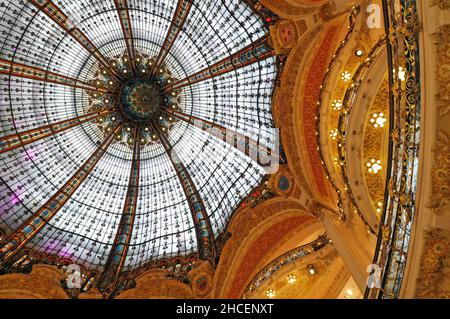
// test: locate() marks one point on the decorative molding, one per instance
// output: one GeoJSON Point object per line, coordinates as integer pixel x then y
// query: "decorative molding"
{"type": "Point", "coordinates": [443, 4]}
{"type": "Point", "coordinates": [244, 226]}
{"type": "Point", "coordinates": [307, 285]}
{"type": "Point", "coordinates": [442, 68]}
{"type": "Point", "coordinates": [311, 86]}
{"type": "Point", "coordinates": [440, 175]}
{"type": "Point", "coordinates": [256, 251]}
{"type": "Point", "coordinates": [283, 107]}
{"type": "Point", "coordinates": [285, 34]}
{"type": "Point", "coordinates": [284, 8]}
{"type": "Point", "coordinates": [434, 279]}
{"type": "Point", "coordinates": [283, 182]}
{"type": "Point", "coordinates": [288, 258]}
{"type": "Point", "coordinates": [328, 11]}
{"type": "Point", "coordinates": [201, 279]}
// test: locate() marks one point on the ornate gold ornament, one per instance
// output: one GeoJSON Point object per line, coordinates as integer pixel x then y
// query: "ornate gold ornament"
{"type": "Point", "coordinates": [440, 198]}
{"type": "Point", "coordinates": [434, 279]}
{"type": "Point", "coordinates": [442, 69]}
{"type": "Point", "coordinates": [405, 104]}
{"type": "Point", "coordinates": [443, 4]}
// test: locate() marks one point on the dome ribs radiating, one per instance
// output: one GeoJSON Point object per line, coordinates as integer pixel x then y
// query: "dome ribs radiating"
{"type": "Point", "coordinates": [31, 72]}
{"type": "Point", "coordinates": [33, 225]}
{"type": "Point", "coordinates": [257, 51]}
{"type": "Point", "coordinates": [194, 76]}
{"type": "Point", "coordinates": [118, 252]}
{"type": "Point", "coordinates": [203, 229]}
{"type": "Point", "coordinates": [63, 21]}
{"type": "Point", "coordinates": [10, 142]}
{"type": "Point", "coordinates": [243, 143]}
{"type": "Point", "coordinates": [125, 22]}
{"type": "Point", "coordinates": [181, 13]}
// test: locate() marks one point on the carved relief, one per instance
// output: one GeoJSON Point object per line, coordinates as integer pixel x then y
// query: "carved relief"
{"type": "Point", "coordinates": [202, 280]}
{"type": "Point", "coordinates": [440, 198]}
{"type": "Point", "coordinates": [443, 4]}
{"type": "Point", "coordinates": [434, 280]}
{"type": "Point", "coordinates": [309, 108]}
{"type": "Point", "coordinates": [442, 69]}
{"type": "Point", "coordinates": [282, 182]}
{"type": "Point", "coordinates": [327, 11]}
{"type": "Point", "coordinates": [284, 35]}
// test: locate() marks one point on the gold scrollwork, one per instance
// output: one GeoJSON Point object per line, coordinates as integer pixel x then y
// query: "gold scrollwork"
{"type": "Point", "coordinates": [440, 198]}
{"type": "Point", "coordinates": [442, 69]}
{"type": "Point", "coordinates": [434, 277]}
{"type": "Point", "coordinates": [443, 4]}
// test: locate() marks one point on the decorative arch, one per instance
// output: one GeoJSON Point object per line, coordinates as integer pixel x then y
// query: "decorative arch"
{"type": "Point", "coordinates": [258, 236]}
{"type": "Point", "coordinates": [295, 105]}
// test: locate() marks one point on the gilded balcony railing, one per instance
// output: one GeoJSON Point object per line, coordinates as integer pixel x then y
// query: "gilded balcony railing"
{"type": "Point", "coordinates": [404, 111]}
{"type": "Point", "coordinates": [344, 188]}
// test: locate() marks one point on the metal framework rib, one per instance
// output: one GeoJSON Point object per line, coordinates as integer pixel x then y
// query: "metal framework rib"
{"type": "Point", "coordinates": [31, 72]}
{"type": "Point", "coordinates": [239, 141]}
{"type": "Point", "coordinates": [10, 142]}
{"type": "Point", "coordinates": [203, 229]}
{"type": "Point", "coordinates": [255, 52]}
{"type": "Point", "coordinates": [62, 20]}
{"type": "Point", "coordinates": [118, 253]}
{"type": "Point", "coordinates": [181, 13]}
{"type": "Point", "coordinates": [43, 215]}
{"type": "Point", "coordinates": [125, 22]}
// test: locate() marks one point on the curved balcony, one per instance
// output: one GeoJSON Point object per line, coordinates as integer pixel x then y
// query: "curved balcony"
{"type": "Point", "coordinates": [352, 123]}
{"type": "Point", "coordinates": [332, 132]}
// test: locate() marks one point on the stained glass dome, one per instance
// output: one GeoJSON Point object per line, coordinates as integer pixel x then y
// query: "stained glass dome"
{"type": "Point", "coordinates": [113, 117]}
